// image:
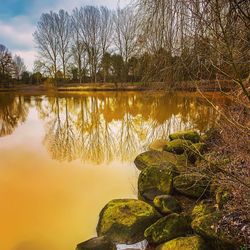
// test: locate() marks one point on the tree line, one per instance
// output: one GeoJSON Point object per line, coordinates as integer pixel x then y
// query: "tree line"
{"type": "Point", "coordinates": [197, 39]}
{"type": "Point", "coordinates": [93, 44]}
{"type": "Point", "coordinates": [155, 40]}
{"type": "Point", "coordinates": [13, 69]}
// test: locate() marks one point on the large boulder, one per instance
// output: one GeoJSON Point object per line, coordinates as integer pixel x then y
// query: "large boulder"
{"type": "Point", "coordinates": [125, 220]}
{"type": "Point", "coordinates": [194, 242]}
{"type": "Point", "coordinates": [157, 158]}
{"type": "Point", "coordinates": [167, 204]}
{"type": "Point", "coordinates": [202, 208]}
{"type": "Point", "coordinates": [192, 136]}
{"type": "Point", "coordinates": [178, 146]}
{"type": "Point", "coordinates": [97, 243]}
{"type": "Point", "coordinates": [193, 185]}
{"type": "Point", "coordinates": [206, 225]}
{"type": "Point", "coordinates": [168, 228]}
{"type": "Point", "coordinates": [157, 144]}
{"type": "Point", "coordinates": [154, 181]}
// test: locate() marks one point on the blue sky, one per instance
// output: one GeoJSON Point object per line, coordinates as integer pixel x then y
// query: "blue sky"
{"type": "Point", "coordinates": [18, 20]}
{"type": "Point", "coordinates": [11, 8]}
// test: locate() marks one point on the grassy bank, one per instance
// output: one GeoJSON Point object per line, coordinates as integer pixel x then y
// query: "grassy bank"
{"type": "Point", "coordinates": [191, 86]}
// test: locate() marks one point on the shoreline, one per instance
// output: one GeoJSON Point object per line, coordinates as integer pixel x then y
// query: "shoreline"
{"type": "Point", "coordinates": [204, 86]}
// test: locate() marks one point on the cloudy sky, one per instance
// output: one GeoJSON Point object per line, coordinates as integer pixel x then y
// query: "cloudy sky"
{"type": "Point", "coordinates": [18, 20]}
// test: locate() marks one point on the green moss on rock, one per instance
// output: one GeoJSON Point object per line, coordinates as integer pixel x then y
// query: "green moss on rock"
{"type": "Point", "coordinates": [157, 144]}
{"type": "Point", "coordinates": [194, 185]}
{"type": "Point", "coordinates": [184, 243]}
{"type": "Point", "coordinates": [167, 228]}
{"type": "Point", "coordinates": [157, 158]}
{"type": "Point", "coordinates": [155, 181]}
{"type": "Point", "coordinates": [98, 243]}
{"type": "Point", "coordinates": [202, 209]}
{"type": "Point", "coordinates": [167, 204]}
{"type": "Point", "coordinates": [125, 220]}
{"type": "Point", "coordinates": [186, 135]}
{"type": "Point", "coordinates": [178, 146]}
{"type": "Point", "coordinates": [207, 226]}
{"type": "Point", "coordinates": [222, 196]}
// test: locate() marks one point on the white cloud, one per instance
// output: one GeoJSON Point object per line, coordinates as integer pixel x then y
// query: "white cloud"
{"type": "Point", "coordinates": [17, 32]}
{"type": "Point", "coordinates": [16, 35]}
{"type": "Point", "coordinates": [28, 56]}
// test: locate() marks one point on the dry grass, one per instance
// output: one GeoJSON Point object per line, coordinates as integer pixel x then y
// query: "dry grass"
{"type": "Point", "coordinates": [231, 139]}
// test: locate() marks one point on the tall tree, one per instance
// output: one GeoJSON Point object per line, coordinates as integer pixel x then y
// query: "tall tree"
{"type": "Point", "coordinates": [5, 62]}
{"type": "Point", "coordinates": [78, 46]}
{"type": "Point", "coordinates": [89, 21]}
{"type": "Point", "coordinates": [63, 33]}
{"type": "Point", "coordinates": [18, 67]}
{"type": "Point", "coordinates": [125, 37]}
{"type": "Point", "coordinates": [47, 42]}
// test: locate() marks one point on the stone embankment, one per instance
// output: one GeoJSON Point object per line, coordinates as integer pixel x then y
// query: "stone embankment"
{"type": "Point", "coordinates": [178, 205]}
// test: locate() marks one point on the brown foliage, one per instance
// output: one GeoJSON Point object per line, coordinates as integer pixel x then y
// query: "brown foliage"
{"type": "Point", "coordinates": [231, 140]}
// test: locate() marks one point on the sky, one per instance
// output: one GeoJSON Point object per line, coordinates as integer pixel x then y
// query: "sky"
{"type": "Point", "coordinates": [18, 19]}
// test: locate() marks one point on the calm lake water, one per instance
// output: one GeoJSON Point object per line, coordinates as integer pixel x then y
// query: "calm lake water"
{"type": "Point", "coordinates": [62, 158]}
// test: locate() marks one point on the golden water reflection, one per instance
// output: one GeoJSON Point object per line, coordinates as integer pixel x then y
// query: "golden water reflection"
{"type": "Point", "coordinates": [103, 127]}
{"type": "Point", "coordinates": [63, 157]}
{"type": "Point", "coordinates": [13, 111]}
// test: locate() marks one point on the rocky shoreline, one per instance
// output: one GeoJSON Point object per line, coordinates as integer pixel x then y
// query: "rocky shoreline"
{"type": "Point", "coordinates": [178, 206]}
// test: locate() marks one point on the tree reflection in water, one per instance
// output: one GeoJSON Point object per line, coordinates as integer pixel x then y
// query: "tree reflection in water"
{"type": "Point", "coordinates": [13, 112]}
{"type": "Point", "coordinates": [101, 127]}
{"type": "Point", "coordinates": [110, 126]}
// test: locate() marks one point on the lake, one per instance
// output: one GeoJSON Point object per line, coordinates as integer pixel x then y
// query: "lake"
{"type": "Point", "coordinates": [63, 157]}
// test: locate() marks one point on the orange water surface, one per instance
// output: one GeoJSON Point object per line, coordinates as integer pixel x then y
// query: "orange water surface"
{"type": "Point", "coordinates": [63, 157]}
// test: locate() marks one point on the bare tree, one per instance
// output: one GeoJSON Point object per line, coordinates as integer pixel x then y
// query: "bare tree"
{"type": "Point", "coordinates": [5, 61]}
{"type": "Point", "coordinates": [125, 37]}
{"type": "Point", "coordinates": [106, 25]}
{"type": "Point", "coordinates": [63, 33]}
{"type": "Point", "coordinates": [89, 21]}
{"type": "Point", "coordinates": [225, 31]}
{"type": "Point", "coordinates": [18, 67]}
{"type": "Point", "coordinates": [47, 42]}
{"type": "Point", "coordinates": [78, 46]}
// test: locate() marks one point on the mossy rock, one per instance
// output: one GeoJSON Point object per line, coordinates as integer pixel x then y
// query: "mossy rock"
{"type": "Point", "coordinates": [194, 242]}
{"type": "Point", "coordinates": [125, 220]}
{"type": "Point", "coordinates": [206, 226]}
{"type": "Point", "coordinates": [157, 158]}
{"type": "Point", "coordinates": [187, 203]}
{"type": "Point", "coordinates": [167, 204]}
{"type": "Point", "coordinates": [168, 228]}
{"type": "Point", "coordinates": [201, 209]}
{"type": "Point", "coordinates": [192, 136]}
{"type": "Point", "coordinates": [157, 144]}
{"type": "Point", "coordinates": [222, 196]}
{"type": "Point", "coordinates": [194, 185]}
{"type": "Point", "coordinates": [178, 146]}
{"type": "Point", "coordinates": [97, 243]}
{"type": "Point", "coordinates": [154, 181]}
